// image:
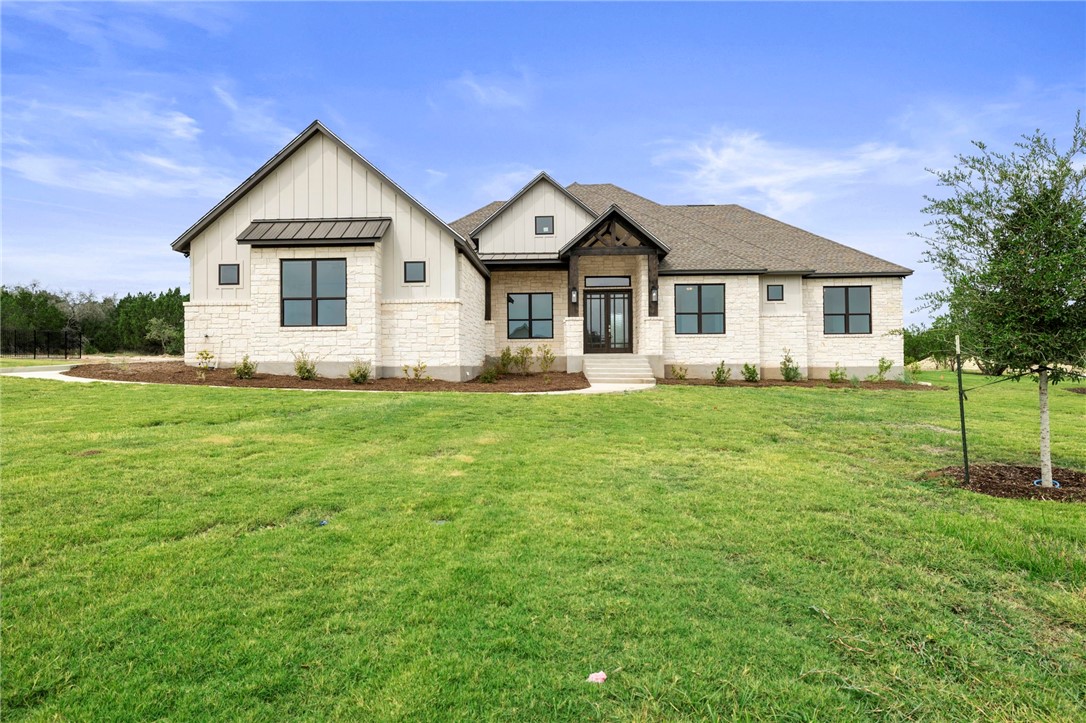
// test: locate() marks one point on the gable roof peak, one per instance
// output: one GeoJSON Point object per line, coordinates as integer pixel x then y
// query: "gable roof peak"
{"type": "Point", "coordinates": [539, 178]}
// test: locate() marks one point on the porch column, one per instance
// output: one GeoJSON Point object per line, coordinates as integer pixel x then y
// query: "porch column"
{"type": "Point", "coordinates": [573, 280]}
{"type": "Point", "coordinates": [654, 283]}
{"type": "Point", "coordinates": [573, 331]}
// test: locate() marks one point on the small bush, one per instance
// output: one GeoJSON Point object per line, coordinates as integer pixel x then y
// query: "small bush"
{"type": "Point", "coordinates": [884, 366]}
{"type": "Point", "coordinates": [722, 373]}
{"type": "Point", "coordinates": [546, 358]}
{"type": "Point", "coordinates": [416, 373]}
{"type": "Point", "coordinates": [245, 369]}
{"type": "Point", "coordinates": [750, 373]}
{"type": "Point", "coordinates": [838, 374]}
{"type": "Point", "coordinates": [789, 368]}
{"type": "Point", "coordinates": [522, 359]}
{"type": "Point", "coordinates": [489, 375]}
{"type": "Point", "coordinates": [854, 381]}
{"type": "Point", "coordinates": [505, 361]}
{"type": "Point", "coordinates": [679, 372]}
{"type": "Point", "coordinates": [305, 366]}
{"type": "Point", "coordinates": [359, 371]}
{"type": "Point", "coordinates": [204, 360]}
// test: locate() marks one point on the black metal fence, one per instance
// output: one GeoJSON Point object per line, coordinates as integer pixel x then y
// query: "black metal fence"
{"type": "Point", "coordinates": [41, 344]}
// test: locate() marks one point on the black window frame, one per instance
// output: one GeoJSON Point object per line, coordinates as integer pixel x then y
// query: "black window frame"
{"type": "Point", "coordinates": [589, 285]}
{"type": "Point", "coordinates": [700, 313]}
{"type": "Point", "coordinates": [237, 272]}
{"type": "Point", "coordinates": [414, 281]}
{"type": "Point", "coordinates": [544, 233]}
{"type": "Point", "coordinates": [530, 319]}
{"type": "Point", "coordinates": [774, 286]}
{"type": "Point", "coordinates": [312, 298]}
{"type": "Point", "coordinates": [848, 314]}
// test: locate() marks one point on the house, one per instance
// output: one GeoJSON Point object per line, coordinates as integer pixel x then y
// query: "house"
{"type": "Point", "coordinates": [319, 252]}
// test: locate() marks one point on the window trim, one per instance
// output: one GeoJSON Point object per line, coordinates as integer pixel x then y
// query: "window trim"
{"type": "Point", "coordinates": [774, 286]}
{"type": "Point", "coordinates": [699, 313]}
{"type": "Point", "coordinates": [414, 281]}
{"type": "Point", "coordinates": [544, 233]}
{"type": "Point", "coordinates": [312, 298]}
{"type": "Point", "coordinates": [847, 314]}
{"type": "Point", "coordinates": [230, 283]}
{"type": "Point", "coordinates": [531, 319]}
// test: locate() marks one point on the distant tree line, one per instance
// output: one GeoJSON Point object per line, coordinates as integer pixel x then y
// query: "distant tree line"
{"type": "Point", "coordinates": [148, 322]}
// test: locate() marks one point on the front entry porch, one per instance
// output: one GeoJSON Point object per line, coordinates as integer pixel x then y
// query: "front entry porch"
{"type": "Point", "coordinates": [608, 322]}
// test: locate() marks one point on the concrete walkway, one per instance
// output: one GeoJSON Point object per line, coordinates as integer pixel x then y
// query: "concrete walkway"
{"type": "Point", "coordinates": [54, 373]}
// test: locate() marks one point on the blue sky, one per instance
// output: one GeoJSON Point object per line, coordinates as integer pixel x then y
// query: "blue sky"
{"type": "Point", "coordinates": [123, 123]}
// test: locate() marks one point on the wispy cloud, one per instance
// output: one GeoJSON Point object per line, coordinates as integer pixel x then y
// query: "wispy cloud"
{"type": "Point", "coordinates": [495, 91]}
{"type": "Point", "coordinates": [745, 167]}
{"type": "Point", "coordinates": [500, 185]}
{"type": "Point", "coordinates": [253, 117]}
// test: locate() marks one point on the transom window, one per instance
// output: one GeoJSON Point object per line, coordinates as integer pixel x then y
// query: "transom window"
{"type": "Point", "coordinates": [229, 274]}
{"type": "Point", "coordinates": [313, 292]}
{"type": "Point", "coordinates": [774, 292]}
{"type": "Point", "coordinates": [414, 272]}
{"type": "Point", "coordinates": [699, 308]}
{"type": "Point", "coordinates": [531, 316]}
{"type": "Point", "coordinates": [596, 281]}
{"type": "Point", "coordinates": [846, 309]}
{"type": "Point", "coordinates": [544, 225]}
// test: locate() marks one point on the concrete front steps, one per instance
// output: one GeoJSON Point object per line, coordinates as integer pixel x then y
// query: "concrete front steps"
{"type": "Point", "coordinates": [617, 369]}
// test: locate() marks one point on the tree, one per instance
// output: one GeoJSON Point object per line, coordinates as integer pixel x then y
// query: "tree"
{"type": "Point", "coordinates": [1010, 239]}
{"type": "Point", "coordinates": [161, 332]}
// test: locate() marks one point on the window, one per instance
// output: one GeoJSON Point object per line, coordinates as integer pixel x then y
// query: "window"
{"type": "Point", "coordinates": [229, 274]}
{"type": "Point", "coordinates": [846, 309]}
{"type": "Point", "coordinates": [591, 281]}
{"type": "Point", "coordinates": [699, 308]}
{"type": "Point", "coordinates": [313, 292]}
{"type": "Point", "coordinates": [531, 316]}
{"type": "Point", "coordinates": [414, 272]}
{"type": "Point", "coordinates": [544, 225]}
{"type": "Point", "coordinates": [774, 292]}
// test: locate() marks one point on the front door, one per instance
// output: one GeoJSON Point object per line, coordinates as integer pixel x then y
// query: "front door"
{"type": "Point", "coordinates": [608, 322]}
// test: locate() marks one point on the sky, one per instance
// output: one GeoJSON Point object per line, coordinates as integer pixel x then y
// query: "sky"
{"type": "Point", "coordinates": [123, 123]}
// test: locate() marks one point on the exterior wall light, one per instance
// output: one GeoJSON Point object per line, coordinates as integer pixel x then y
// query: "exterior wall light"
{"type": "Point", "coordinates": [654, 294]}
{"type": "Point", "coordinates": [573, 295]}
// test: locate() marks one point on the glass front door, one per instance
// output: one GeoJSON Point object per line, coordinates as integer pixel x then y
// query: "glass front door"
{"type": "Point", "coordinates": [608, 322]}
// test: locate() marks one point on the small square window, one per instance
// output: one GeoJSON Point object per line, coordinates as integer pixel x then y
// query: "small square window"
{"type": "Point", "coordinates": [414, 272]}
{"type": "Point", "coordinates": [229, 274]}
{"type": "Point", "coordinates": [544, 225]}
{"type": "Point", "coordinates": [774, 292]}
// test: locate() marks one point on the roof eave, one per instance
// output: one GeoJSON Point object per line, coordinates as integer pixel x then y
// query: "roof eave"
{"type": "Point", "coordinates": [857, 274]}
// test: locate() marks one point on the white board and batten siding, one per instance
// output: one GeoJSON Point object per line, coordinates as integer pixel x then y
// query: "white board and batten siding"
{"type": "Point", "coordinates": [322, 179]}
{"type": "Point", "coordinates": [514, 230]}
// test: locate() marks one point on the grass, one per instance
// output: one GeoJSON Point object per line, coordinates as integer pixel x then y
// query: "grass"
{"type": "Point", "coordinates": [720, 553]}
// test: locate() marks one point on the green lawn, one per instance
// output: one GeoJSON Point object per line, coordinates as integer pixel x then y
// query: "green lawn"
{"type": "Point", "coordinates": [720, 553]}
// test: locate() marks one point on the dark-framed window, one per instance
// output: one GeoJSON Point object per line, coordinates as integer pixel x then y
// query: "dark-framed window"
{"type": "Point", "coordinates": [414, 272]}
{"type": "Point", "coordinates": [774, 292]}
{"type": "Point", "coordinates": [846, 309]}
{"type": "Point", "coordinates": [313, 292]}
{"type": "Point", "coordinates": [608, 281]}
{"type": "Point", "coordinates": [229, 274]}
{"type": "Point", "coordinates": [531, 316]}
{"type": "Point", "coordinates": [699, 308]}
{"type": "Point", "coordinates": [544, 225]}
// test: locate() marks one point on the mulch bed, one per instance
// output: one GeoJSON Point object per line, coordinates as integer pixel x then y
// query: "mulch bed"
{"type": "Point", "coordinates": [888, 384]}
{"type": "Point", "coordinates": [1078, 390]}
{"type": "Point", "coordinates": [1016, 481]}
{"type": "Point", "coordinates": [179, 373]}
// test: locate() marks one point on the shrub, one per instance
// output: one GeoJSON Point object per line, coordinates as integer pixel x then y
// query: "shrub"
{"type": "Point", "coordinates": [722, 373]}
{"type": "Point", "coordinates": [505, 361]}
{"type": "Point", "coordinates": [359, 371]}
{"type": "Point", "coordinates": [489, 375]}
{"type": "Point", "coordinates": [750, 373]}
{"type": "Point", "coordinates": [416, 373]}
{"type": "Point", "coordinates": [162, 332]}
{"type": "Point", "coordinates": [838, 373]}
{"type": "Point", "coordinates": [789, 368]}
{"type": "Point", "coordinates": [245, 369]}
{"type": "Point", "coordinates": [679, 372]}
{"type": "Point", "coordinates": [522, 359]}
{"type": "Point", "coordinates": [204, 360]}
{"type": "Point", "coordinates": [854, 381]}
{"type": "Point", "coordinates": [880, 375]}
{"type": "Point", "coordinates": [305, 366]}
{"type": "Point", "coordinates": [546, 358]}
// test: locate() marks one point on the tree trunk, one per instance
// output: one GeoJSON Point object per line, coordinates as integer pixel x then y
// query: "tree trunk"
{"type": "Point", "coordinates": [1046, 442]}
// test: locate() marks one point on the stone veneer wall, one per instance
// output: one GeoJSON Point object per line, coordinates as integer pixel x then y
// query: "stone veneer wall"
{"type": "Point", "coordinates": [700, 353]}
{"type": "Point", "coordinates": [857, 353]}
{"type": "Point", "coordinates": [524, 282]}
{"type": "Point", "coordinates": [473, 329]}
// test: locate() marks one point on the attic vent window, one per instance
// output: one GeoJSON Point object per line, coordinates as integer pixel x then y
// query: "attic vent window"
{"type": "Point", "coordinates": [544, 225]}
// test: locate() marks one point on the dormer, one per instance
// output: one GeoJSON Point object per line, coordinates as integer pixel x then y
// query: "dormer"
{"type": "Point", "coordinates": [540, 218]}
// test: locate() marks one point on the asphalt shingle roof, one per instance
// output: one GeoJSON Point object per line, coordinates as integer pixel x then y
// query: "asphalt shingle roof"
{"type": "Point", "coordinates": [719, 238]}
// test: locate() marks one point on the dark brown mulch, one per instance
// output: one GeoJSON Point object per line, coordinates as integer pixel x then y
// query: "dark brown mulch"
{"type": "Point", "coordinates": [1078, 390]}
{"type": "Point", "coordinates": [1016, 481]}
{"type": "Point", "coordinates": [179, 373]}
{"type": "Point", "coordinates": [888, 384]}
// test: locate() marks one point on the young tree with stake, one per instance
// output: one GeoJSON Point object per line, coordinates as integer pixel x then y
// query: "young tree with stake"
{"type": "Point", "coordinates": [1010, 239]}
